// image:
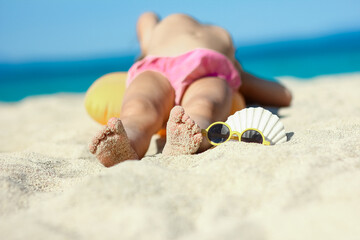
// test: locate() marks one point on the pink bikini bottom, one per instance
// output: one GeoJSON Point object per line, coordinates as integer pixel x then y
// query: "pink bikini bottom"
{"type": "Point", "coordinates": [186, 68]}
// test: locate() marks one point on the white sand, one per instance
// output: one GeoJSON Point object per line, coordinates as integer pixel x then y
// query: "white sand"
{"type": "Point", "coordinates": [51, 187]}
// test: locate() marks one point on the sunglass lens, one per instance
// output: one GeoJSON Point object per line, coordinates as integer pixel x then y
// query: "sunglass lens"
{"type": "Point", "coordinates": [252, 136]}
{"type": "Point", "coordinates": [218, 133]}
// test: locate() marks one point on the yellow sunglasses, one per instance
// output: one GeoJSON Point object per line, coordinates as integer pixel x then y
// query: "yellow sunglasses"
{"type": "Point", "coordinates": [220, 132]}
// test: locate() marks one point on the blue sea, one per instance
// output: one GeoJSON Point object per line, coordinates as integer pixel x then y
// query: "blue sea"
{"type": "Point", "coordinates": [305, 59]}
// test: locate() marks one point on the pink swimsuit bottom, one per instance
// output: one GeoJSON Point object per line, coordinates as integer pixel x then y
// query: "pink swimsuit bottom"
{"type": "Point", "coordinates": [186, 68]}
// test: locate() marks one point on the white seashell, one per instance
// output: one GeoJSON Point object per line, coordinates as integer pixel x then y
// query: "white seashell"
{"type": "Point", "coordinates": [259, 118]}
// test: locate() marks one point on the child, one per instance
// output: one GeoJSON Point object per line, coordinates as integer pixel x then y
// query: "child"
{"type": "Point", "coordinates": [185, 67]}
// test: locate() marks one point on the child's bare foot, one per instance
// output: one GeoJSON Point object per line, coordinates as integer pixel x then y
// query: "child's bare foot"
{"type": "Point", "coordinates": [111, 145]}
{"type": "Point", "coordinates": [183, 135]}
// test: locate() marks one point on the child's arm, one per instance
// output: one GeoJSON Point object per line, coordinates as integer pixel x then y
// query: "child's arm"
{"type": "Point", "coordinates": [263, 92]}
{"type": "Point", "coordinates": [145, 26]}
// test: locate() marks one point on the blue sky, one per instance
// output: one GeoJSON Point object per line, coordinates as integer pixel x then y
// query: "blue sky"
{"type": "Point", "coordinates": [75, 29]}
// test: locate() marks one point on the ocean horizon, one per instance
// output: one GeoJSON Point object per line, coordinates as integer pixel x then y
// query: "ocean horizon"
{"type": "Point", "coordinates": [306, 58]}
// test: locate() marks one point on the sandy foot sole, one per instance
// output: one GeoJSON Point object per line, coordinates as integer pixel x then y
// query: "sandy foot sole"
{"type": "Point", "coordinates": [183, 135]}
{"type": "Point", "coordinates": [111, 144]}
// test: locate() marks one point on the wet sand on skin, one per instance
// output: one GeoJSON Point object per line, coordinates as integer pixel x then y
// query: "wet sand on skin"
{"type": "Point", "coordinates": [51, 187]}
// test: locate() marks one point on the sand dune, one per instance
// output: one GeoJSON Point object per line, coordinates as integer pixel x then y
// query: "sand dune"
{"type": "Point", "coordinates": [51, 187]}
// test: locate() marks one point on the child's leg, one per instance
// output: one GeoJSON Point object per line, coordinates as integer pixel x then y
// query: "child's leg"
{"type": "Point", "coordinates": [205, 101]}
{"type": "Point", "coordinates": [146, 106]}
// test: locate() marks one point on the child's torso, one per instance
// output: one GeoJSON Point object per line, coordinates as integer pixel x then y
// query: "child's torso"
{"type": "Point", "coordinates": [180, 33]}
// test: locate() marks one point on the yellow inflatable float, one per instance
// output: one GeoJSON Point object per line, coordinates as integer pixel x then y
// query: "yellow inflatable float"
{"type": "Point", "coordinates": [103, 99]}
